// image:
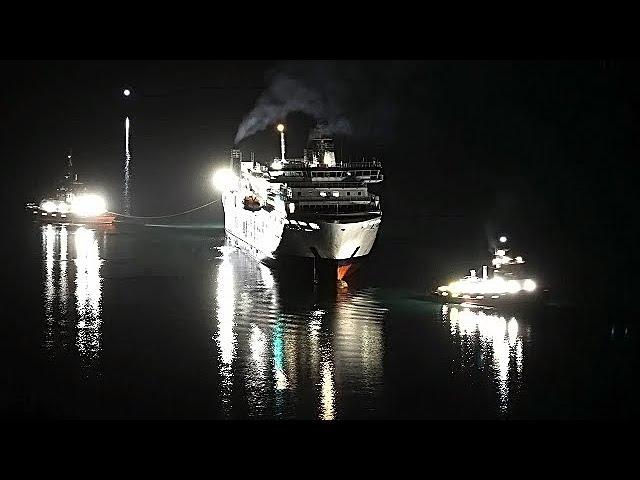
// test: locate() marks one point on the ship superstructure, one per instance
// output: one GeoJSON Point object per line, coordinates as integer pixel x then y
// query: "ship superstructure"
{"type": "Point", "coordinates": [312, 207]}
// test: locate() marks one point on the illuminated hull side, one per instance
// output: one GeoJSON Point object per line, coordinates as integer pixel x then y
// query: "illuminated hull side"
{"type": "Point", "coordinates": [55, 217]}
{"type": "Point", "coordinates": [272, 238]}
{"type": "Point", "coordinates": [259, 231]}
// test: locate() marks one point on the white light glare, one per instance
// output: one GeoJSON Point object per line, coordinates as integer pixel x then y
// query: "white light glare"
{"type": "Point", "coordinates": [88, 205]}
{"type": "Point", "coordinates": [513, 286]}
{"type": "Point", "coordinates": [503, 239]}
{"type": "Point", "coordinates": [126, 92]}
{"type": "Point", "coordinates": [495, 285]}
{"type": "Point", "coordinates": [48, 206]}
{"type": "Point", "coordinates": [224, 179]}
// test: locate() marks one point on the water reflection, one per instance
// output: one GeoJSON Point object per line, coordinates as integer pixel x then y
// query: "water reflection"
{"type": "Point", "coordinates": [127, 160]}
{"type": "Point", "coordinates": [258, 370]}
{"type": "Point", "coordinates": [225, 337]}
{"type": "Point", "coordinates": [48, 240]}
{"type": "Point", "coordinates": [59, 319]}
{"type": "Point", "coordinates": [88, 294]}
{"type": "Point", "coordinates": [319, 344]}
{"type": "Point", "coordinates": [63, 285]}
{"type": "Point", "coordinates": [293, 351]}
{"type": "Point", "coordinates": [487, 340]}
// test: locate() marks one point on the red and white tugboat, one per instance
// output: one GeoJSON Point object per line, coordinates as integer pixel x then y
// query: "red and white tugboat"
{"type": "Point", "coordinates": [72, 202]}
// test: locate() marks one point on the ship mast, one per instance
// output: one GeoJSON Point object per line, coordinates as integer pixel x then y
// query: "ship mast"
{"type": "Point", "coordinates": [281, 130]}
{"type": "Point", "coordinates": [69, 165]}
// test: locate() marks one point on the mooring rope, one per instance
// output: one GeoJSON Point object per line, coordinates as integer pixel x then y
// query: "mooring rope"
{"type": "Point", "coordinates": [166, 216]}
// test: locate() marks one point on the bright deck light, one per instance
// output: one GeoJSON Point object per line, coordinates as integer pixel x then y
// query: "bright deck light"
{"type": "Point", "coordinates": [224, 179]}
{"type": "Point", "coordinates": [529, 285]}
{"type": "Point", "coordinates": [48, 206]}
{"type": "Point", "coordinates": [503, 239]}
{"type": "Point", "coordinates": [513, 286]}
{"type": "Point", "coordinates": [126, 92]}
{"type": "Point", "coordinates": [280, 127]}
{"type": "Point", "coordinates": [88, 205]}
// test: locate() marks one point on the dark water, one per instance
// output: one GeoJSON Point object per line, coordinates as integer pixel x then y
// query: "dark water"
{"type": "Point", "coordinates": [172, 323]}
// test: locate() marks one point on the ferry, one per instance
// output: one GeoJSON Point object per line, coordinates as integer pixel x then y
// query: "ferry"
{"type": "Point", "coordinates": [315, 209]}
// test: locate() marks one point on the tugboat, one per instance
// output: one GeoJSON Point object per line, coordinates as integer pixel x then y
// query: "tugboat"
{"type": "Point", "coordinates": [509, 286]}
{"type": "Point", "coordinates": [72, 202]}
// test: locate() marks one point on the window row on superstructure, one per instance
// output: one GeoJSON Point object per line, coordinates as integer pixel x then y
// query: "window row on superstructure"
{"type": "Point", "coordinates": [297, 193]}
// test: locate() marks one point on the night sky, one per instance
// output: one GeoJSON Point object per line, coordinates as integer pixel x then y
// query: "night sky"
{"type": "Point", "coordinates": [540, 150]}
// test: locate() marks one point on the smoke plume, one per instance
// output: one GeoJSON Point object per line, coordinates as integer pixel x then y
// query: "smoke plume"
{"type": "Point", "coordinates": [287, 95]}
{"type": "Point", "coordinates": [352, 97]}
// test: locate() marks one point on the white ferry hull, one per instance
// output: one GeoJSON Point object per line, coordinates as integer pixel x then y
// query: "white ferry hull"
{"type": "Point", "coordinates": [333, 240]}
{"type": "Point", "coordinates": [260, 231]}
{"type": "Point", "coordinates": [270, 236]}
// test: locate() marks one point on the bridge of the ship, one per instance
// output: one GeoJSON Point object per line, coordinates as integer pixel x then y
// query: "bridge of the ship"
{"type": "Point", "coordinates": [369, 172]}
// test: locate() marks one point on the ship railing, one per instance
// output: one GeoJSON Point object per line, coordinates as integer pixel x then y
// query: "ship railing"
{"type": "Point", "coordinates": [369, 164]}
{"type": "Point", "coordinates": [337, 184]}
{"type": "Point", "coordinates": [338, 208]}
{"type": "Point", "coordinates": [359, 213]}
{"type": "Point", "coordinates": [294, 162]}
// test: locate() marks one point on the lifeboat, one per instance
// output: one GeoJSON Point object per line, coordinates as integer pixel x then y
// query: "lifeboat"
{"type": "Point", "coordinates": [251, 203]}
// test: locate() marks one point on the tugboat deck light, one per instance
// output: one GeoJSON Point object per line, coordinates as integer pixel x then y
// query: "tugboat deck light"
{"type": "Point", "coordinates": [496, 286]}
{"type": "Point", "coordinates": [85, 205]}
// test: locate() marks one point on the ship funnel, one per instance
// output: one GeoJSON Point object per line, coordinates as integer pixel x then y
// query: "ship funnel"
{"type": "Point", "coordinates": [236, 161]}
{"type": "Point", "coordinates": [321, 145]}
